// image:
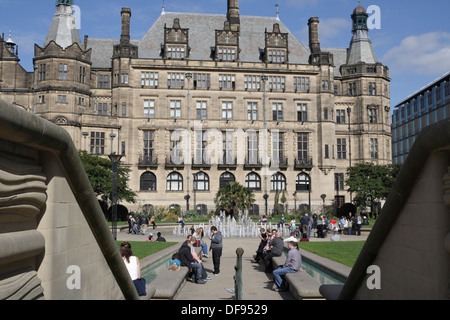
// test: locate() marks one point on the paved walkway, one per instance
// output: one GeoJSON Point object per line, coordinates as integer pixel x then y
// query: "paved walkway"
{"type": "Point", "coordinates": [254, 278]}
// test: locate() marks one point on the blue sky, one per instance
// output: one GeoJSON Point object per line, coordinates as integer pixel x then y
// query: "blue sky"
{"type": "Point", "coordinates": [414, 39]}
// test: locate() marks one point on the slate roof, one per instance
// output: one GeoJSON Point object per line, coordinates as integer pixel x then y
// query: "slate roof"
{"type": "Point", "coordinates": [202, 37]}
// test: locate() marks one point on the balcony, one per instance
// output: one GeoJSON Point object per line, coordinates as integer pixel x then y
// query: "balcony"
{"type": "Point", "coordinates": [174, 163]}
{"type": "Point", "coordinates": [228, 163]}
{"type": "Point", "coordinates": [148, 161]}
{"type": "Point", "coordinates": [200, 163]}
{"type": "Point", "coordinates": [281, 164]}
{"type": "Point", "coordinates": [252, 163]}
{"type": "Point", "coordinates": [303, 164]}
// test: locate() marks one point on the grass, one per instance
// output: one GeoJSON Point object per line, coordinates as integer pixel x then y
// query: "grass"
{"type": "Point", "coordinates": [142, 249]}
{"type": "Point", "coordinates": [345, 252]}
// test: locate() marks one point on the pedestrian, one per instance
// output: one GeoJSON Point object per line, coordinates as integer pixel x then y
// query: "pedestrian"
{"type": "Point", "coordinates": [350, 224]}
{"type": "Point", "coordinates": [304, 225]}
{"type": "Point", "coordinates": [130, 223]}
{"type": "Point", "coordinates": [293, 264]}
{"type": "Point", "coordinates": [276, 250]}
{"type": "Point", "coordinates": [216, 248]}
{"type": "Point", "coordinates": [358, 224]}
{"type": "Point", "coordinates": [134, 267]}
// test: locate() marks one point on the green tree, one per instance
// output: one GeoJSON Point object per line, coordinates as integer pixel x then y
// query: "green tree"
{"type": "Point", "coordinates": [234, 197]}
{"type": "Point", "coordinates": [99, 171]}
{"type": "Point", "coordinates": [370, 182]}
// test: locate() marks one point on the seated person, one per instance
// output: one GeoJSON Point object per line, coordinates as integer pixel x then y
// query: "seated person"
{"type": "Point", "coordinates": [293, 264]}
{"type": "Point", "coordinates": [187, 260]}
{"type": "Point", "coordinates": [291, 238]}
{"type": "Point", "coordinates": [276, 250]}
{"type": "Point", "coordinates": [160, 239]}
{"type": "Point", "coordinates": [174, 265]}
{"type": "Point", "coordinates": [262, 244]}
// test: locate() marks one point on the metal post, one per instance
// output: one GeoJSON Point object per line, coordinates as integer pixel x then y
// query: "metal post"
{"type": "Point", "coordinates": [114, 195]}
{"type": "Point", "coordinates": [85, 134]}
{"type": "Point", "coordinates": [264, 79]}
{"type": "Point", "coordinates": [238, 276]}
{"type": "Point", "coordinates": [188, 76]}
{"type": "Point", "coordinates": [349, 110]}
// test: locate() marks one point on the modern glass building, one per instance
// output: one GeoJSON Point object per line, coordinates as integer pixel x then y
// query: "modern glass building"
{"type": "Point", "coordinates": [421, 109]}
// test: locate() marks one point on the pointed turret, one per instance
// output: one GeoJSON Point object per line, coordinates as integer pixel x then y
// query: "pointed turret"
{"type": "Point", "coordinates": [361, 49]}
{"type": "Point", "coordinates": [63, 29]}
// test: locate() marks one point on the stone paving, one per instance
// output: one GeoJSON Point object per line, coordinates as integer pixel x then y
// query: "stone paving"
{"type": "Point", "coordinates": [221, 287]}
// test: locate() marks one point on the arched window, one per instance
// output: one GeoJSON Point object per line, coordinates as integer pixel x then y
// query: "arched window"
{"type": "Point", "coordinates": [226, 178]}
{"type": "Point", "coordinates": [253, 181]}
{"type": "Point", "coordinates": [278, 182]}
{"type": "Point", "coordinates": [148, 182]}
{"type": "Point", "coordinates": [174, 182]}
{"type": "Point", "coordinates": [303, 182]}
{"type": "Point", "coordinates": [201, 182]}
{"type": "Point", "coordinates": [202, 209]}
{"type": "Point", "coordinates": [253, 210]}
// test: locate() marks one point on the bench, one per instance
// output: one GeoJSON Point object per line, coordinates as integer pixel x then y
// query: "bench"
{"type": "Point", "coordinates": [169, 283]}
{"type": "Point", "coordinates": [301, 285]}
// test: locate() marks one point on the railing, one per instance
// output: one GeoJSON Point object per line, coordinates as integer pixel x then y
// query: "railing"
{"type": "Point", "coordinates": [279, 163]}
{"type": "Point", "coordinates": [148, 161]}
{"type": "Point", "coordinates": [252, 163]}
{"type": "Point", "coordinates": [303, 163]}
{"type": "Point", "coordinates": [228, 162]}
{"type": "Point", "coordinates": [238, 276]}
{"type": "Point", "coordinates": [177, 162]}
{"type": "Point", "coordinates": [200, 163]}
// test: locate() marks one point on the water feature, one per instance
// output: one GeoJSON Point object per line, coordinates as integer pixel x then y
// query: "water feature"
{"type": "Point", "coordinates": [230, 227]}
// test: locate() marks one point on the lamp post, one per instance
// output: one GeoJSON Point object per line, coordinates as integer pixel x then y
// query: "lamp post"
{"type": "Point", "coordinates": [188, 76]}
{"type": "Point", "coordinates": [264, 79]}
{"type": "Point", "coordinates": [115, 158]}
{"type": "Point", "coordinates": [349, 110]}
{"type": "Point", "coordinates": [112, 135]}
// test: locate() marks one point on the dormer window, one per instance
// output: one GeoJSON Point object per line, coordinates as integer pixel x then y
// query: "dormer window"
{"type": "Point", "coordinates": [227, 44]}
{"type": "Point", "coordinates": [276, 46]}
{"type": "Point", "coordinates": [176, 42]}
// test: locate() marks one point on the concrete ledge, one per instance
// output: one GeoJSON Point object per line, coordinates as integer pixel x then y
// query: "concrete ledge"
{"type": "Point", "coordinates": [301, 285]}
{"type": "Point", "coordinates": [169, 283]}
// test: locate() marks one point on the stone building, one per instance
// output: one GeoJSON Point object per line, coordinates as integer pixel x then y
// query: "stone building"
{"type": "Point", "coordinates": [204, 99]}
{"type": "Point", "coordinates": [424, 107]}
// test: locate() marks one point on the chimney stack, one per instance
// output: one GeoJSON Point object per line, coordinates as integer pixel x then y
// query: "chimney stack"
{"type": "Point", "coordinates": [233, 15]}
{"type": "Point", "coordinates": [125, 36]}
{"type": "Point", "coordinates": [314, 44]}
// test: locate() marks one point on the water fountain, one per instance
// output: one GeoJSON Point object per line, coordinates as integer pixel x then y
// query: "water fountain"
{"type": "Point", "coordinates": [244, 227]}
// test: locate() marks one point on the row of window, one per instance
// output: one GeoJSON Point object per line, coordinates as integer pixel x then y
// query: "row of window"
{"type": "Point", "coordinates": [63, 71]}
{"type": "Point", "coordinates": [174, 181]}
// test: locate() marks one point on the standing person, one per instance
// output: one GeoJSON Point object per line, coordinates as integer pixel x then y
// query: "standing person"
{"type": "Point", "coordinates": [216, 248]}
{"type": "Point", "coordinates": [304, 225]}
{"type": "Point", "coordinates": [293, 264]}
{"type": "Point", "coordinates": [276, 250]}
{"type": "Point", "coordinates": [350, 224]}
{"type": "Point", "coordinates": [358, 224]}
{"type": "Point", "coordinates": [134, 267]}
{"type": "Point", "coordinates": [130, 223]}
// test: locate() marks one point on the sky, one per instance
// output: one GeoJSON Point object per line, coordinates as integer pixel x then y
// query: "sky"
{"type": "Point", "coordinates": [412, 37]}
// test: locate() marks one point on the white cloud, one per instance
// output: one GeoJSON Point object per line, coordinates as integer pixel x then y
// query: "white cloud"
{"type": "Point", "coordinates": [426, 54]}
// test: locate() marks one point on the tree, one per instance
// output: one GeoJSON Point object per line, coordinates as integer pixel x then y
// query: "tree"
{"type": "Point", "coordinates": [234, 197]}
{"type": "Point", "coordinates": [99, 171]}
{"type": "Point", "coordinates": [370, 182]}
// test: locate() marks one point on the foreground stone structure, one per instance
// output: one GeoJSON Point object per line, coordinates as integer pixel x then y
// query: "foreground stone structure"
{"type": "Point", "coordinates": [410, 242]}
{"type": "Point", "coordinates": [55, 242]}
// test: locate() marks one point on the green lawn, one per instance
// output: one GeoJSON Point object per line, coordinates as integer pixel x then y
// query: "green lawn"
{"type": "Point", "coordinates": [141, 249]}
{"type": "Point", "coordinates": [345, 252]}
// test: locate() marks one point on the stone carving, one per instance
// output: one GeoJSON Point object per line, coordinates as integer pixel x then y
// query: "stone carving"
{"type": "Point", "coordinates": [22, 203]}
